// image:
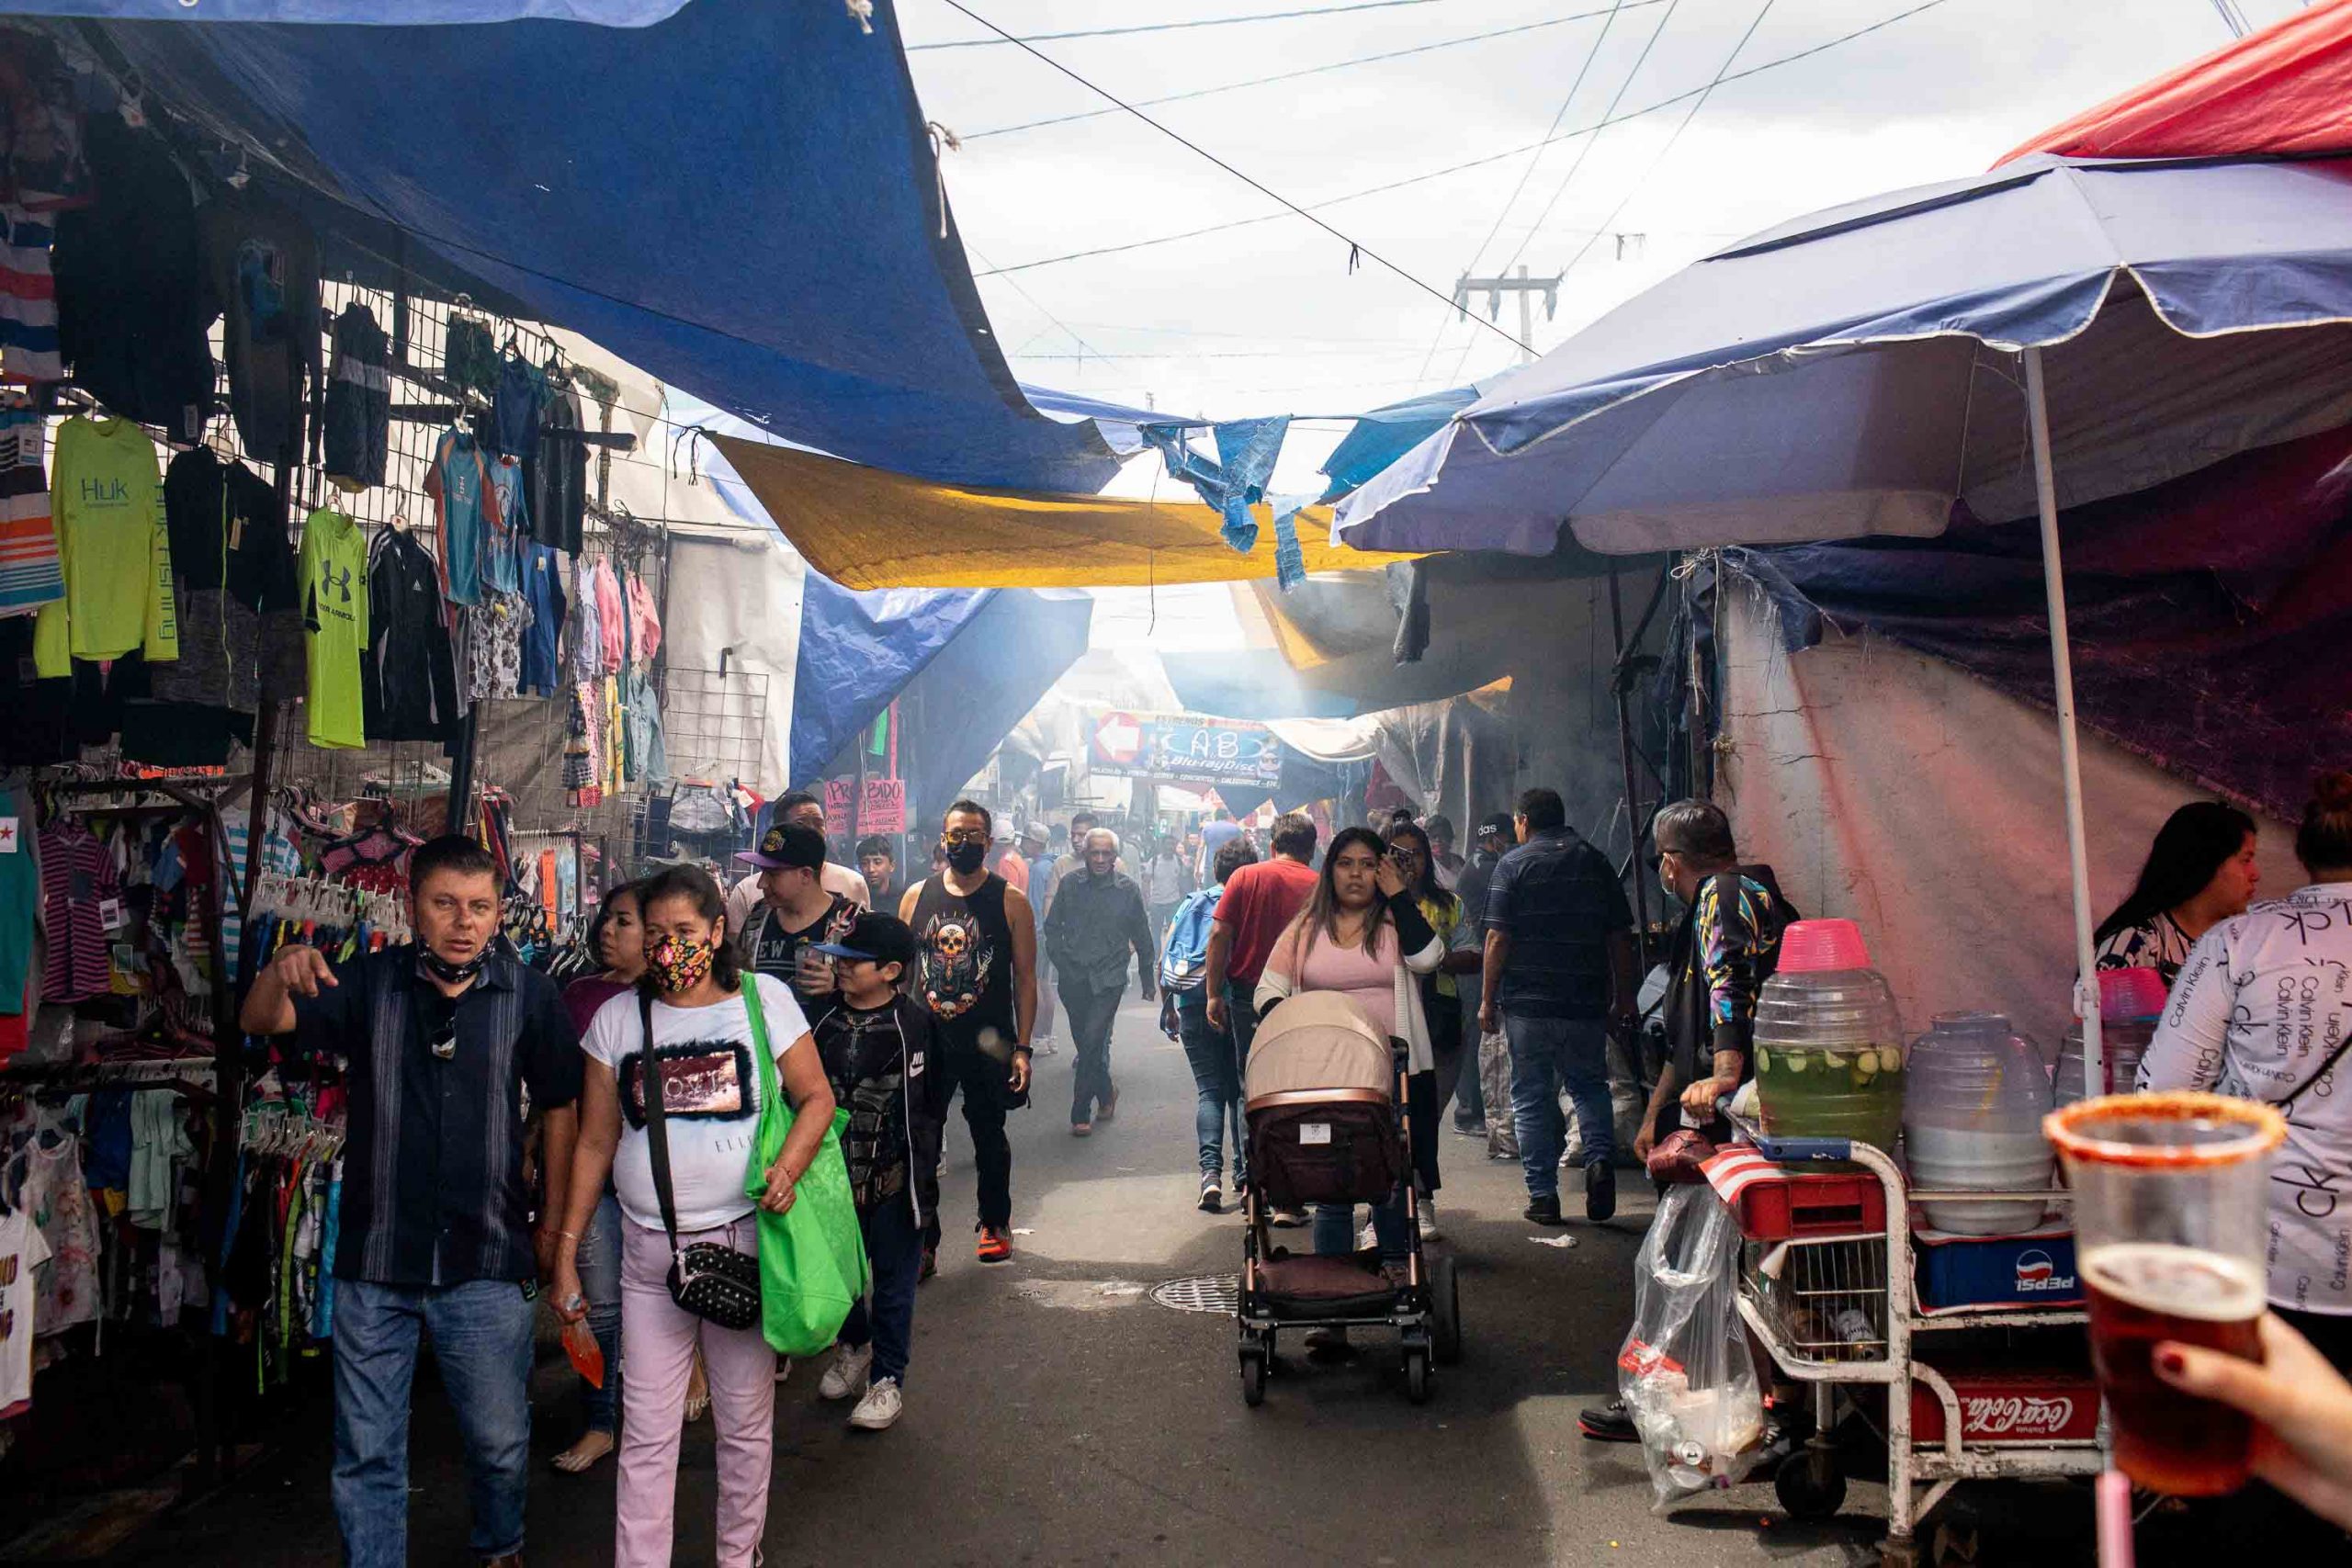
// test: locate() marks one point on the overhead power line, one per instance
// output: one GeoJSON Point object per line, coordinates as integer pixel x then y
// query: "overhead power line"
{"type": "Point", "coordinates": [1355, 248]}
{"type": "Point", "coordinates": [1164, 26]}
{"type": "Point", "coordinates": [1478, 162]}
{"type": "Point", "coordinates": [1312, 70]}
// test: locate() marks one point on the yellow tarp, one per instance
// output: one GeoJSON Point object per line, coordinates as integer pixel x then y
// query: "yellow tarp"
{"type": "Point", "coordinates": [870, 528]}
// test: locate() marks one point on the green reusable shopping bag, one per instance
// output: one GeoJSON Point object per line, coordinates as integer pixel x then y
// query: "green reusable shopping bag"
{"type": "Point", "coordinates": [812, 1259]}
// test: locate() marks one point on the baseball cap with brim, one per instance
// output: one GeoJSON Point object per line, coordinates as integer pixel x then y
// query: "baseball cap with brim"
{"type": "Point", "coordinates": [788, 846]}
{"type": "Point", "coordinates": [882, 939]}
{"type": "Point", "coordinates": [1496, 826]}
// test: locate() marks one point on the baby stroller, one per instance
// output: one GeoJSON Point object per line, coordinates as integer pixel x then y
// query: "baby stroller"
{"type": "Point", "coordinates": [1328, 1123]}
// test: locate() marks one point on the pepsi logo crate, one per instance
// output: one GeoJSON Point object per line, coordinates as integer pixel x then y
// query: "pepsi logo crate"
{"type": "Point", "coordinates": [2034, 1269]}
{"type": "Point", "coordinates": [2010, 1404]}
{"type": "Point", "coordinates": [1778, 1203]}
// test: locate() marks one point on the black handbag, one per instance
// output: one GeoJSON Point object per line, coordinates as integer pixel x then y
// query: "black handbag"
{"type": "Point", "coordinates": [708, 1279]}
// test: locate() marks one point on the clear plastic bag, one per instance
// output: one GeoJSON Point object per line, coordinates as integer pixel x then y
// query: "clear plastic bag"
{"type": "Point", "coordinates": [1686, 1372]}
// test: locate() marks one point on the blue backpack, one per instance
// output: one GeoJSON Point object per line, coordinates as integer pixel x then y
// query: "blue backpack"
{"type": "Point", "coordinates": [1184, 954]}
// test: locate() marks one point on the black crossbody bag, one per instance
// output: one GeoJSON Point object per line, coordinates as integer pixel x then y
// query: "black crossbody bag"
{"type": "Point", "coordinates": [708, 1279]}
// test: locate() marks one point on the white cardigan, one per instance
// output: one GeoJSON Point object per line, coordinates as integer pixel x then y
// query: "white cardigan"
{"type": "Point", "coordinates": [1412, 1024]}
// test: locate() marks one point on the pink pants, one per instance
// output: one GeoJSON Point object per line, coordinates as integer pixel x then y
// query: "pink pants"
{"type": "Point", "coordinates": [658, 1339]}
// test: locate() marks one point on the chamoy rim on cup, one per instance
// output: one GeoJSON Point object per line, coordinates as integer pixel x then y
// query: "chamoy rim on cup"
{"type": "Point", "coordinates": [2234, 1129]}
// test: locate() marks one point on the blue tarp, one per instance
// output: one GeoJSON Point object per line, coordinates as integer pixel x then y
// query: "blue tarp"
{"type": "Point", "coordinates": [969, 698]}
{"type": "Point", "coordinates": [857, 653]}
{"type": "Point", "coordinates": [1856, 372]}
{"type": "Point", "coordinates": [738, 197]}
{"type": "Point", "coordinates": [1387, 433]}
{"type": "Point", "coordinates": [368, 13]}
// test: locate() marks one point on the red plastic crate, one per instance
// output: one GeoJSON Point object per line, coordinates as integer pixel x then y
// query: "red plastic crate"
{"type": "Point", "coordinates": [2048, 1403]}
{"type": "Point", "coordinates": [1775, 1202]}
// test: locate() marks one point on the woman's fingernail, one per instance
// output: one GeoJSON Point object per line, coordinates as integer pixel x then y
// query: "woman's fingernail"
{"type": "Point", "coordinates": [2171, 1361]}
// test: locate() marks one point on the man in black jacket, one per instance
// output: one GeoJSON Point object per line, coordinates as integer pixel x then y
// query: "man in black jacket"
{"type": "Point", "coordinates": [1098, 915]}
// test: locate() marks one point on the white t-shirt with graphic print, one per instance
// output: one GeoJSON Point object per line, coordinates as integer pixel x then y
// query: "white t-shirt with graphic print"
{"type": "Point", "coordinates": [711, 1098]}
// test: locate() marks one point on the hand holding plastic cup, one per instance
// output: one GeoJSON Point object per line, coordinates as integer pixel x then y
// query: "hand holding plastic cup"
{"type": "Point", "coordinates": [2171, 1193]}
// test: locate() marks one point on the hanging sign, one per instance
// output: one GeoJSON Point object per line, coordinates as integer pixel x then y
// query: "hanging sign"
{"type": "Point", "coordinates": [883, 810]}
{"type": "Point", "coordinates": [1184, 749]}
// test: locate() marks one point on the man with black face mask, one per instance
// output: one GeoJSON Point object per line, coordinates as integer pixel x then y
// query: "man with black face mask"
{"type": "Point", "coordinates": [975, 973]}
{"type": "Point", "coordinates": [448, 1040]}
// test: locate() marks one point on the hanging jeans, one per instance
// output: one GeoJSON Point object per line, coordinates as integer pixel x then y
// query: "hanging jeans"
{"type": "Point", "coordinates": [1546, 1052]}
{"type": "Point", "coordinates": [1091, 1014]}
{"type": "Point", "coordinates": [481, 1343]}
{"type": "Point", "coordinates": [885, 1317]}
{"type": "Point", "coordinates": [1217, 1078]}
{"type": "Point", "coordinates": [599, 1262]}
{"type": "Point", "coordinates": [661, 1338]}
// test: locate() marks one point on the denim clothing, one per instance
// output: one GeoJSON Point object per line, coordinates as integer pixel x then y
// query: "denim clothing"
{"type": "Point", "coordinates": [885, 1317]}
{"type": "Point", "coordinates": [1216, 1078]}
{"type": "Point", "coordinates": [1335, 1228]}
{"type": "Point", "coordinates": [1241, 1019]}
{"type": "Point", "coordinates": [1091, 1014]}
{"type": "Point", "coordinates": [1546, 1051]}
{"type": "Point", "coordinates": [598, 1260]}
{"type": "Point", "coordinates": [1470, 1091]}
{"type": "Point", "coordinates": [481, 1342]}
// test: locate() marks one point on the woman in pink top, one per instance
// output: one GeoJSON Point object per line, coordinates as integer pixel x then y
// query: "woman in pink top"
{"type": "Point", "coordinates": [1363, 934]}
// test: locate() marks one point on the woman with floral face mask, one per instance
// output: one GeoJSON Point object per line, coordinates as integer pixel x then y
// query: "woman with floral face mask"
{"type": "Point", "coordinates": [703, 1036]}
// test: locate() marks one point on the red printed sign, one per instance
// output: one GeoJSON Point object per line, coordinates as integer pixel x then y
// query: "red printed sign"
{"type": "Point", "coordinates": [883, 811]}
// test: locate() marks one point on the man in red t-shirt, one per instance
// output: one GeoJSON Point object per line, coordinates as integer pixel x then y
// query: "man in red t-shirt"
{"type": "Point", "coordinates": [1260, 903]}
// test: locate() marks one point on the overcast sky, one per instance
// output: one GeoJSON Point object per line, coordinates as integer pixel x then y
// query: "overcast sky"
{"type": "Point", "coordinates": [1268, 319]}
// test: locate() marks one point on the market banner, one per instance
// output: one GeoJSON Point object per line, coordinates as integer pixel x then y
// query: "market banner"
{"type": "Point", "coordinates": [1182, 748]}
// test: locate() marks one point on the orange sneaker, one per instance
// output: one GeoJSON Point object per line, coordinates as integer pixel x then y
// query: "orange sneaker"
{"type": "Point", "coordinates": [995, 1246]}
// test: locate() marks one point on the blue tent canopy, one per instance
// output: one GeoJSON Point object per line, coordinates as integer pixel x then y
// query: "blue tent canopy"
{"type": "Point", "coordinates": [407, 13]}
{"type": "Point", "coordinates": [738, 195]}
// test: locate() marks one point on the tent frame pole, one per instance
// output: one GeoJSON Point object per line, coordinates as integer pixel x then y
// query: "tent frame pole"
{"type": "Point", "coordinates": [2070, 761]}
{"type": "Point", "coordinates": [1637, 825]}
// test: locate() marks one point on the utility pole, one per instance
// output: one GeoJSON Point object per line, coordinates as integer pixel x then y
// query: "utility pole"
{"type": "Point", "coordinates": [1526, 287]}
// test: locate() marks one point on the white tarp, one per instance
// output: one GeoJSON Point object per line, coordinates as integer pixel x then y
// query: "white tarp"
{"type": "Point", "coordinates": [735, 594]}
{"type": "Point", "coordinates": [1900, 792]}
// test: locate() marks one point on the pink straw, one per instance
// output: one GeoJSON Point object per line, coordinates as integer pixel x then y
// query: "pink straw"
{"type": "Point", "coordinates": [2114, 1494]}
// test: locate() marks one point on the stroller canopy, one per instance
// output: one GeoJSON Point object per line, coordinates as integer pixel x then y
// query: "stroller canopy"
{"type": "Point", "coordinates": [1320, 1040]}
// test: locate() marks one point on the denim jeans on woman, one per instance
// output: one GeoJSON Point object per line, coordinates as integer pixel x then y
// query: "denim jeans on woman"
{"type": "Point", "coordinates": [599, 1262]}
{"type": "Point", "coordinates": [1217, 1079]}
{"type": "Point", "coordinates": [481, 1343]}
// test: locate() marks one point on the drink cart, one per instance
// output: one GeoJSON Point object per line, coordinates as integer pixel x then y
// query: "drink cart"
{"type": "Point", "coordinates": [1827, 1286]}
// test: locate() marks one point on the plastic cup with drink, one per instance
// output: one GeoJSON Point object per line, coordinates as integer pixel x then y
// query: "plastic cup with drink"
{"type": "Point", "coordinates": [2170, 1225]}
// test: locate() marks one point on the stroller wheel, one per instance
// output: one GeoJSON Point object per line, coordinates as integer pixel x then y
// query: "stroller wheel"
{"type": "Point", "coordinates": [1417, 1374]}
{"type": "Point", "coordinates": [1253, 1377]}
{"type": "Point", "coordinates": [1445, 1312]}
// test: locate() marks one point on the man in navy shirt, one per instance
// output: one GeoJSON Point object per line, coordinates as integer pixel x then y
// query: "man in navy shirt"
{"type": "Point", "coordinates": [1558, 975]}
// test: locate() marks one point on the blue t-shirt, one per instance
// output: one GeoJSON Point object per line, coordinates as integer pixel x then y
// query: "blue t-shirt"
{"type": "Point", "coordinates": [543, 591]}
{"type": "Point", "coordinates": [1558, 900]}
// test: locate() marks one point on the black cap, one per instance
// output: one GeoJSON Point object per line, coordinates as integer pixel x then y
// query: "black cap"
{"type": "Point", "coordinates": [885, 939]}
{"type": "Point", "coordinates": [1499, 826]}
{"type": "Point", "coordinates": [786, 846]}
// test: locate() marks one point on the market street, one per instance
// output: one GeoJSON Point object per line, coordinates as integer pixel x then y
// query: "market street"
{"type": "Point", "coordinates": [1055, 1415]}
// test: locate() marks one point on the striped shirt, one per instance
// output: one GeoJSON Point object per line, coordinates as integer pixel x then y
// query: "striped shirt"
{"type": "Point", "coordinates": [76, 874]}
{"type": "Point", "coordinates": [433, 1191]}
{"type": "Point", "coordinates": [30, 575]}
{"type": "Point", "coordinates": [28, 298]}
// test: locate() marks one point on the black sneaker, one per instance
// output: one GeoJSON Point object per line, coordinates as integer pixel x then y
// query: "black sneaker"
{"type": "Point", "coordinates": [1599, 1191]}
{"type": "Point", "coordinates": [1610, 1423]}
{"type": "Point", "coordinates": [1543, 1209]}
{"type": "Point", "coordinates": [1469, 1129]}
{"type": "Point", "coordinates": [929, 1262]}
{"type": "Point", "coordinates": [1211, 1196]}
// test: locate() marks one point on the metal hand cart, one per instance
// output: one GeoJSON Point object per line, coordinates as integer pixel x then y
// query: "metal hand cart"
{"type": "Point", "coordinates": [1830, 1295]}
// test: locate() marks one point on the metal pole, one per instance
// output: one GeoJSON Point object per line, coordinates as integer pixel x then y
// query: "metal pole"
{"type": "Point", "coordinates": [2070, 763]}
{"type": "Point", "coordinates": [459, 810]}
{"type": "Point", "coordinates": [1526, 320]}
{"type": "Point", "coordinates": [1635, 822]}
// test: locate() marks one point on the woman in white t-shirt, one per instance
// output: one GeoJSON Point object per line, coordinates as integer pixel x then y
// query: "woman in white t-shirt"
{"type": "Point", "coordinates": [2263, 1009]}
{"type": "Point", "coordinates": [704, 1038]}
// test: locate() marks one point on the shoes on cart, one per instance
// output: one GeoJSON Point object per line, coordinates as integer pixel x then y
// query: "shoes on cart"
{"type": "Point", "coordinates": [1543, 1208]}
{"type": "Point", "coordinates": [1289, 1219]}
{"type": "Point", "coordinates": [995, 1244]}
{"type": "Point", "coordinates": [1211, 1196]}
{"type": "Point", "coordinates": [847, 1376]}
{"type": "Point", "coordinates": [881, 1406]}
{"type": "Point", "coordinates": [1427, 1212]}
{"type": "Point", "coordinates": [1599, 1191]}
{"type": "Point", "coordinates": [1610, 1423]}
{"type": "Point", "coordinates": [1469, 1129]}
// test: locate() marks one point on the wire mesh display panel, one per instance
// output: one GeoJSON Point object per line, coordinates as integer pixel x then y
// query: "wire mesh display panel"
{"type": "Point", "coordinates": [715, 723]}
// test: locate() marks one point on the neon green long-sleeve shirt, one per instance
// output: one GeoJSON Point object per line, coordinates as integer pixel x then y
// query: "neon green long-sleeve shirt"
{"type": "Point", "coordinates": [106, 499]}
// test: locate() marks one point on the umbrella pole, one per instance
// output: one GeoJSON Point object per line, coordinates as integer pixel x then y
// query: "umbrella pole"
{"type": "Point", "coordinates": [2070, 759]}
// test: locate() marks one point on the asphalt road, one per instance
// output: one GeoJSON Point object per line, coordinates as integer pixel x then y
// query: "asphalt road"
{"type": "Point", "coordinates": [1057, 1414]}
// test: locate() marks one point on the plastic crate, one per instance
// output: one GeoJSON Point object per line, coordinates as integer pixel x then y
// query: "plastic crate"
{"type": "Point", "coordinates": [1786, 1205]}
{"type": "Point", "coordinates": [2007, 1402]}
{"type": "Point", "coordinates": [2034, 1269]}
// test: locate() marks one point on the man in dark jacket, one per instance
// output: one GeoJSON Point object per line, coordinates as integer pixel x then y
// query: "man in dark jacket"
{"type": "Point", "coordinates": [1098, 915]}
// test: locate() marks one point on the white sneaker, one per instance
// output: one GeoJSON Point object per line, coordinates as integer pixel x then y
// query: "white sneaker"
{"type": "Point", "coordinates": [1368, 1238]}
{"type": "Point", "coordinates": [1428, 1210]}
{"type": "Point", "coordinates": [880, 1408]}
{"type": "Point", "coordinates": [845, 1379]}
{"type": "Point", "coordinates": [783, 1368]}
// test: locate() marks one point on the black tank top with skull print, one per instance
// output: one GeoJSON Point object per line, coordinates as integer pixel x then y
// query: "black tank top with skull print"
{"type": "Point", "coordinates": [964, 967]}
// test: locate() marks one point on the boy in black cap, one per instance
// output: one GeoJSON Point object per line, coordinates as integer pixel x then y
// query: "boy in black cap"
{"type": "Point", "coordinates": [876, 1047]}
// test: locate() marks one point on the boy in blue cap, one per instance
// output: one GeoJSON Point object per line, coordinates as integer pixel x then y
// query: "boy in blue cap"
{"type": "Point", "coordinates": [876, 1047]}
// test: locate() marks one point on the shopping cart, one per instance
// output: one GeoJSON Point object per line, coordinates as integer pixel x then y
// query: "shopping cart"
{"type": "Point", "coordinates": [1827, 1287]}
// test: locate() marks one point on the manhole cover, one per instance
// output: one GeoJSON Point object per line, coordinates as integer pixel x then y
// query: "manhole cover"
{"type": "Point", "coordinates": [1201, 1292]}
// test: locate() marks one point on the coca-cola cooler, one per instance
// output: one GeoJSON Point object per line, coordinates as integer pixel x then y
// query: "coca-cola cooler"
{"type": "Point", "coordinates": [2001, 1401]}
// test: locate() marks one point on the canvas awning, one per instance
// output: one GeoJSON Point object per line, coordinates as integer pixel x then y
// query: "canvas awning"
{"type": "Point", "coordinates": [870, 528]}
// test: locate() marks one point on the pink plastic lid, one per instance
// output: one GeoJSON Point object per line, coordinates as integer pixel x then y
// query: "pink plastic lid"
{"type": "Point", "coordinates": [1814, 946]}
{"type": "Point", "coordinates": [2131, 993]}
